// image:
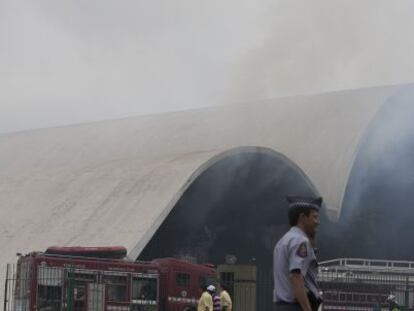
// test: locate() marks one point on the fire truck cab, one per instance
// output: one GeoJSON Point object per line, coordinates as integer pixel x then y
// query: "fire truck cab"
{"type": "Point", "coordinates": [48, 281]}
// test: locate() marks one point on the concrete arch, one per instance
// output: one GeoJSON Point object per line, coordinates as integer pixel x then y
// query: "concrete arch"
{"type": "Point", "coordinates": [378, 198]}
{"type": "Point", "coordinates": [399, 95]}
{"type": "Point", "coordinates": [234, 152]}
{"type": "Point", "coordinates": [110, 182]}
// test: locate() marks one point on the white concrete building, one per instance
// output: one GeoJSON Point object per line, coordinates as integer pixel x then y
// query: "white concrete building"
{"type": "Point", "coordinates": [114, 182]}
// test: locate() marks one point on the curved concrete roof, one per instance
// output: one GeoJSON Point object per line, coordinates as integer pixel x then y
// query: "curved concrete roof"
{"type": "Point", "coordinates": [114, 182]}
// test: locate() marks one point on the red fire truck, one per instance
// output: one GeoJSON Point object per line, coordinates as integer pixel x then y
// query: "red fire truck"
{"type": "Point", "coordinates": [94, 279]}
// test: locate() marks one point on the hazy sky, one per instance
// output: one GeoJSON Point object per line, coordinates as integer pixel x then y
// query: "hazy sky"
{"type": "Point", "coordinates": [65, 62]}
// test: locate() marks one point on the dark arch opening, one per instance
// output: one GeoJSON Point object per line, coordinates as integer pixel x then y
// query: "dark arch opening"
{"type": "Point", "coordinates": [236, 207]}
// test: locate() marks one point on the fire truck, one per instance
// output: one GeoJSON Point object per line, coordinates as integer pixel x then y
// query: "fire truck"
{"type": "Point", "coordinates": [94, 279]}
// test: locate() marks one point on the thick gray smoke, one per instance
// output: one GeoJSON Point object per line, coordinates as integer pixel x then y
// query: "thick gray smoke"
{"type": "Point", "coordinates": [77, 61]}
{"type": "Point", "coordinates": [379, 202]}
{"type": "Point", "coordinates": [236, 207]}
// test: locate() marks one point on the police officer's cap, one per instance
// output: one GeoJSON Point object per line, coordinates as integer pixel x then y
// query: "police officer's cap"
{"type": "Point", "coordinates": [312, 202]}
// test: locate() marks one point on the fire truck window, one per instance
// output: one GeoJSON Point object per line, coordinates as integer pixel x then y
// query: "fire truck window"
{"type": "Point", "coordinates": [85, 277]}
{"type": "Point", "coordinates": [116, 287]}
{"type": "Point", "coordinates": [79, 298]}
{"type": "Point", "coordinates": [202, 281]}
{"type": "Point", "coordinates": [182, 279]}
{"type": "Point", "coordinates": [49, 297]}
{"type": "Point", "coordinates": [144, 288]}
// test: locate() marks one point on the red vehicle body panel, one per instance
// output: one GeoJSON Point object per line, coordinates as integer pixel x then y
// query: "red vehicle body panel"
{"type": "Point", "coordinates": [115, 252]}
{"type": "Point", "coordinates": [174, 285]}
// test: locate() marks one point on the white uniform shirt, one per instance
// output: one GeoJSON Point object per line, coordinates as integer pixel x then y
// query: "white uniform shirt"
{"type": "Point", "coordinates": [293, 252]}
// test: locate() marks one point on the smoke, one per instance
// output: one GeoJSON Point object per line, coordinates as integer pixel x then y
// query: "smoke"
{"type": "Point", "coordinates": [83, 61]}
{"type": "Point", "coordinates": [236, 207]}
{"type": "Point", "coordinates": [376, 220]}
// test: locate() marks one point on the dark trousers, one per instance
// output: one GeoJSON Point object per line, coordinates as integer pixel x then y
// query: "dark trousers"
{"type": "Point", "coordinates": [281, 306]}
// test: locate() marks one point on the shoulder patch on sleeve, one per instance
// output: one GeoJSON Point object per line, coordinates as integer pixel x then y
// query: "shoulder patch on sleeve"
{"type": "Point", "coordinates": [302, 250]}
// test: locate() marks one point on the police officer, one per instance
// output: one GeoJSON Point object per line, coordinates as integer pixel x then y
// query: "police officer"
{"type": "Point", "coordinates": [294, 261]}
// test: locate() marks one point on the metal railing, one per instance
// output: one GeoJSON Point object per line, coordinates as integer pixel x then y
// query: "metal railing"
{"type": "Point", "coordinates": [366, 284]}
{"type": "Point", "coordinates": [373, 265]}
{"type": "Point", "coordinates": [74, 289]}
{"type": "Point", "coordinates": [346, 285]}
{"type": "Point", "coordinates": [81, 289]}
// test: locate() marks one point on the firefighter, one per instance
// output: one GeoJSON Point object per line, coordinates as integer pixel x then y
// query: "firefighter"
{"type": "Point", "coordinates": [295, 265]}
{"type": "Point", "coordinates": [225, 299]}
{"type": "Point", "coordinates": [205, 303]}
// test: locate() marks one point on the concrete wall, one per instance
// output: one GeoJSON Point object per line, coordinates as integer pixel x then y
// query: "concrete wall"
{"type": "Point", "coordinates": [114, 182]}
